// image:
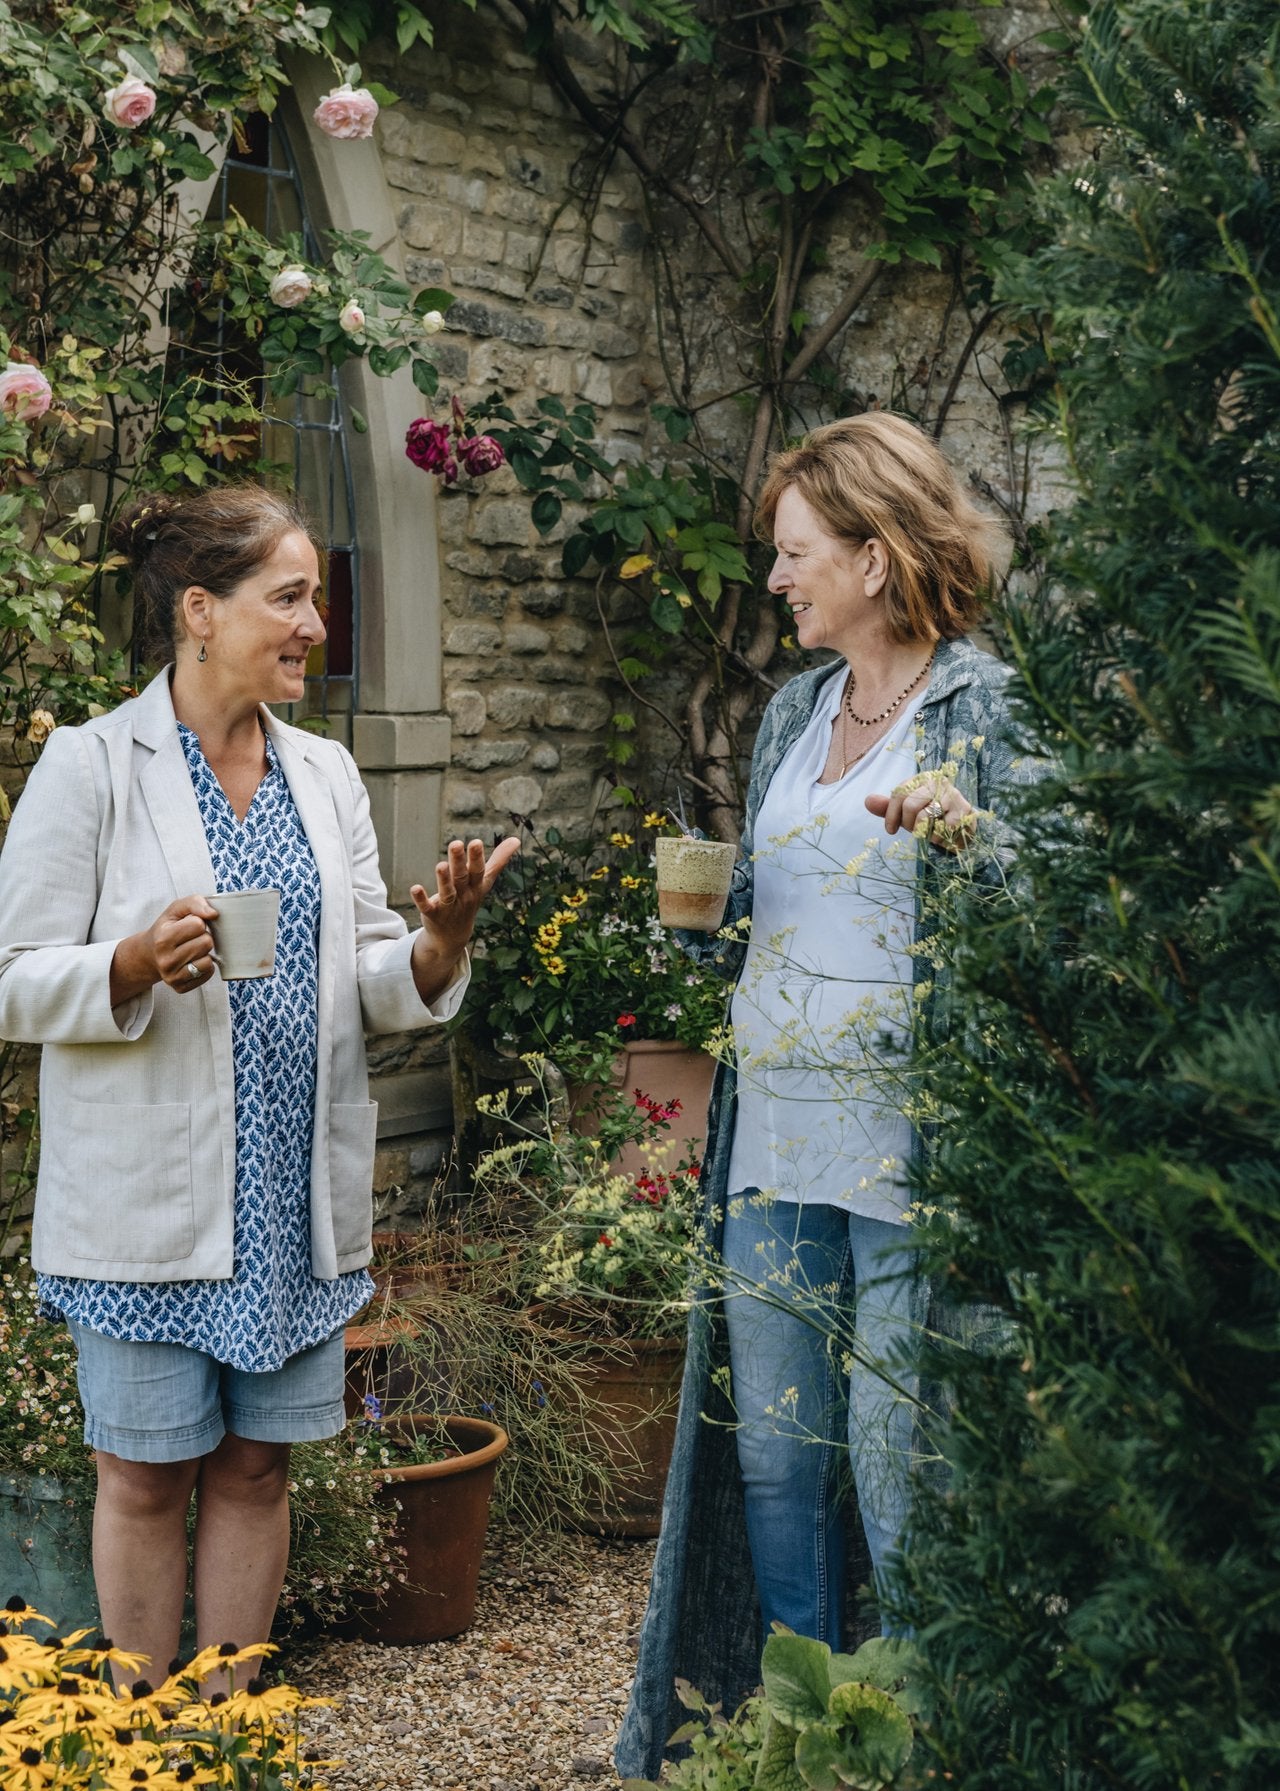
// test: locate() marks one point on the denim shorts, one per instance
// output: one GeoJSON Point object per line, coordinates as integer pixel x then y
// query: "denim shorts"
{"type": "Point", "coordinates": [165, 1402]}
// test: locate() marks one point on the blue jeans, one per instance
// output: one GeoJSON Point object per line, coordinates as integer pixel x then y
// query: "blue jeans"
{"type": "Point", "coordinates": [790, 1370]}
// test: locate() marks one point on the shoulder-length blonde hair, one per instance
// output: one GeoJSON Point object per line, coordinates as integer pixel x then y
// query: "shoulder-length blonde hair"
{"type": "Point", "coordinates": [878, 475]}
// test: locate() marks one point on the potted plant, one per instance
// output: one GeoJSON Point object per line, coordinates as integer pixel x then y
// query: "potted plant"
{"type": "Point", "coordinates": [571, 963]}
{"type": "Point", "coordinates": [436, 1475]}
{"type": "Point", "coordinates": [608, 1258]}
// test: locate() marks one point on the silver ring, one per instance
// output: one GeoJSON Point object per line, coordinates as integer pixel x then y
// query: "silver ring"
{"type": "Point", "coordinates": [934, 811]}
{"type": "Point", "coordinates": [192, 971]}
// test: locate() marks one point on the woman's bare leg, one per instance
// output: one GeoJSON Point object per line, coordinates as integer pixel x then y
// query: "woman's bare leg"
{"type": "Point", "coordinates": [140, 1556]}
{"type": "Point", "coordinates": [242, 1540]}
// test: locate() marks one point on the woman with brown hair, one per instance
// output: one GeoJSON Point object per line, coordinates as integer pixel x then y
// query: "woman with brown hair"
{"type": "Point", "coordinates": [871, 773]}
{"type": "Point", "coordinates": [204, 1205]}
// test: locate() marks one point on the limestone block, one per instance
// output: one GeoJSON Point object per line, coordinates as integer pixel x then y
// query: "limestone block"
{"type": "Point", "coordinates": [434, 227]}
{"type": "Point", "coordinates": [522, 637]}
{"type": "Point", "coordinates": [517, 795]}
{"type": "Point", "coordinates": [497, 522]}
{"type": "Point", "coordinates": [513, 90]}
{"type": "Point", "coordinates": [466, 710]}
{"type": "Point", "coordinates": [555, 373]}
{"type": "Point", "coordinates": [581, 709]}
{"type": "Point", "coordinates": [451, 515]}
{"type": "Point", "coordinates": [518, 707]}
{"type": "Point", "coordinates": [634, 385]}
{"type": "Point", "coordinates": [553, 669]}
{"type": "Point", "coordinates": [558, 296]}
{"type": "Point", "coordinates": [484, 600]}
{"type": "Point", "coordinates": [470, 194]}
{"type": "Point", "coordinates": [545, 757]}
{"type": "Point", "coordinates": [567, 257]}
{"type": "Point", "coordinates": [390, 1167]}
{"type": "Point", "coordinates": [570, 332]}
{"type": "Point", "coordinates": [517, 204]}
{"type": "Point", "coordinates": [470, 563]}
{"type": "Point", "coordinates": [424, 270]}
{"type": "Point", "coordinates": [483, 158]}
{"type": "Point", "coordinates": [597, 304]}
{"type": "Point", "coordinates": [537, 176]}
{"type": "Point", "coordinates": [613, 343]}
{"type": "Point", "coordinates": [483, 240]}
{"type": "Point", "coordinates": [501, 364]}
{"type": "Point", "coordinates": [571, 637]}
{"type": "Point", "coordinates": [405, 176]}
{"type": "Point", "coordinates": [473, 77]}
{"type": "Point", "coordinates": [405, 807]}
{"type": "Point", "coordinates": [463, 799]}
{"type": "Point", "coordinates": [605, 229]}
{"type": "Point", "coordinates": [633, 238]}
{"type": "Point", "coordinates": [570, 791]}
{"type": "Point", "coordinates": [474, 638]}
{"type": "Point", "coordinates": [543, 600]}
{"type": "Point", "coordinates": [523, 251]}
{"type": "Point", "coordinates": [483, 755]}
{"type": "Point", "coordinates": [399, 742]}
{"type": "Point", "coordinates": [519, 566]}
{"type": "Point", "coordinates": [594, 382]}
{"type": "Point", "coordinates": [482, 277]}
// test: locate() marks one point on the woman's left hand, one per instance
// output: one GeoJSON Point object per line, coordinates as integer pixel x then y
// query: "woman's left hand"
{"type": "Point", "coordinates": [463, 880]}
{"type": "Point", "coordinates": [930, 806]}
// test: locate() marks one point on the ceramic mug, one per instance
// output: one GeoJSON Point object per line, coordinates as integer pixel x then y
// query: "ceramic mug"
{"type": "Point", "coordinates": [693, 881]}
{"type": "Point", "coordinates": [244, 932]}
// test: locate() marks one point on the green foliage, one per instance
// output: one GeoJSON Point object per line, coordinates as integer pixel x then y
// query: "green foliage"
{"type": "Point", "coordinates": [826, 1722]}
{"type": "Point", "coordinates": [1098, 1594]}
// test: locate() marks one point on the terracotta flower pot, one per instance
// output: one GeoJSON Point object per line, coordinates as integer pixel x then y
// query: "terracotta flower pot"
{"type": "Point", "coordinates": [632, 1387]}
{"type": "Point", "coordinates": [441, 1526]}
{"type": "Point", "coordinates": [665, 1071]}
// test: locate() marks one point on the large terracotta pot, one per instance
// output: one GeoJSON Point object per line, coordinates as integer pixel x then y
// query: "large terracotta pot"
{"type": "Point", "coordinates": [441, 1525]}
{"type": "Point", "coordinates": [665, 1071]}
{"type": "Point", "coordinates": [631, 1387]}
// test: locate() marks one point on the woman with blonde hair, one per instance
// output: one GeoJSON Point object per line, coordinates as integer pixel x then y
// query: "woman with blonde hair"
{"type": "Point", "coordinates": [873, 772]}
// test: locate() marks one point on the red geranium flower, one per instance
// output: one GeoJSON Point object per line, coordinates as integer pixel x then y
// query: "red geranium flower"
{"type": "Point", "coordinates": [626, 1020]}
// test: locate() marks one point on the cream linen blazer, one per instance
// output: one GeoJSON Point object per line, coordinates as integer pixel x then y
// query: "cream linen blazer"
{"type": "Point", "coordinates": [137, 1104]}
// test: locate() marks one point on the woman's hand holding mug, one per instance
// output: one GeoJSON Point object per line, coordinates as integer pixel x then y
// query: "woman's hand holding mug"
{"type": "Point", "coordinates": [176, 950]}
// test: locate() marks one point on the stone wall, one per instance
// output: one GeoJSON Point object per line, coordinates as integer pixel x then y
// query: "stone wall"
{"type": "Point", "coordinates": [500, 196]}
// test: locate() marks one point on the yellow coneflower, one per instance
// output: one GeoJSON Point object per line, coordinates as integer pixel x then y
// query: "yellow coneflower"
{"type": "Point", "coordinates": [632, 882]}
{"type": "Point", "coordinates": [654, 819]}
{"type": "Point", "coordinates": [600, 873]}
{"type": "Point", "coordinates": [555, 966]}
{"type": "Point", "coordinates": [577, 899]}
{"type": "Point", "coordinates": [621, 839]}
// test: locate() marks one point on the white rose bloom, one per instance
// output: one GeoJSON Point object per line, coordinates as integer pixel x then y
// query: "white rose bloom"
{"type": "Point", "coordinates": [290, 287]}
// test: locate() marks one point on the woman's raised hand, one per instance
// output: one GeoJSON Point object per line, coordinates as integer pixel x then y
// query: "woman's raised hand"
{"type": "Point", "coordinates": [463, 880]}
{"type": "Point", "coordinates": [930, 806]}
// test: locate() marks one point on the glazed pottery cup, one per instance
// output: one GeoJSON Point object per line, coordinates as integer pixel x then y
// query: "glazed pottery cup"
{"type": "Point", "coordinates": [244, 933]}
{"type": "Point", "coordinates": [693, 882]}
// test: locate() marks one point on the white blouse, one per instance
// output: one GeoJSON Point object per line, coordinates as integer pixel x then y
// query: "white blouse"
{"type": "Point", "coordinates": [820, 1013]}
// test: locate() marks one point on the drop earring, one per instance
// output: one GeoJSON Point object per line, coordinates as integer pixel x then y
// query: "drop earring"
{"type": "Point", "coordinates": [202, 655]}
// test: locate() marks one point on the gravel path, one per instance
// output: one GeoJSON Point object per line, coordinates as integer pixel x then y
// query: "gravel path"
{"type": "Point", "coordinates": [530, 1699]}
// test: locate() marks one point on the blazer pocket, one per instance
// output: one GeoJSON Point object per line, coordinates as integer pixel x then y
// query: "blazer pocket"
{"type": "Point", "coordinates": [127, 1169]}
{"type": "Point", "coordinates": [353, 1136]}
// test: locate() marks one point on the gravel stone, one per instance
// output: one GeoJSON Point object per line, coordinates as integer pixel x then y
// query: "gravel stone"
{"type": "Point", "coordinates": [530, 1699]}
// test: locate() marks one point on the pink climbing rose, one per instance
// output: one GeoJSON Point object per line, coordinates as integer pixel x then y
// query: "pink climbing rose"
{"type": "Point", "coordinates": [130, 104]}
{"type": "Point", "coordinates": [480, 454]}
{"type": "Point", "coordinates": [348, 112]}
{"type": "Point", "coordinates": [25, 393]}
{"type": "Point", "coordinates": [428, 445]}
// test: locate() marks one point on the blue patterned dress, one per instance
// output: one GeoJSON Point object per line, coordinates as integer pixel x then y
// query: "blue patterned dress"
{"type": "Point", "coordinates": [273, 1306]}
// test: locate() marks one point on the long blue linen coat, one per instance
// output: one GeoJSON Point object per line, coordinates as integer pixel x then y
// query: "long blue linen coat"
{"type": "Point", "coordinates": [703, 1620]}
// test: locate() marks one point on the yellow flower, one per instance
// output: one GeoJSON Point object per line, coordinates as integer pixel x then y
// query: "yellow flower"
{"type": "Point", "coordinates": [577, 899]}
{"type": "Point", "coordinates": [548, 937]}
{"type": "Point", "coordinates": [600, 873]}
{"type": "Point", "coordinates": [632, 882]}
{"type": "Point", "coordinates": [263, 1703]}
{"type": "Point", "coordinates": [555, 966]}
{"type": "Point", "coordinates": [621, 839]}
{"type": "Point", "coordinates": [654, 819]}
{"type": "Point", "coordinates": [567, 917]}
